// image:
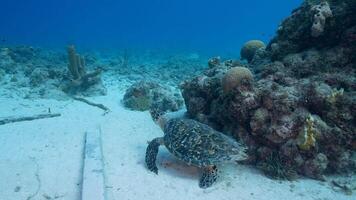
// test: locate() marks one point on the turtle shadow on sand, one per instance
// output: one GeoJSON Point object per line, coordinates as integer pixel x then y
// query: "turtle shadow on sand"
{"type": "Point", "coordinates": [168, 164]}
{"type": "Point", "coordinates": [176, 168]}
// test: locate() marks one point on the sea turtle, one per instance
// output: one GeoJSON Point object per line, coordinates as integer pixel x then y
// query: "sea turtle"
{"type": "Point", "coordinates": [196, 144]}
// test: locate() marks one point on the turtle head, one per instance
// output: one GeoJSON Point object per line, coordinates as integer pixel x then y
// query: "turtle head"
{"type": "Point", "coordinates": [161, 114]}
{"type": "Point", "coordinates": [159, 117]}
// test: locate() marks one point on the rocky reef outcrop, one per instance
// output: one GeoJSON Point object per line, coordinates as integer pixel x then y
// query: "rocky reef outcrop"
{"type": "Point", "coordinates": [294, 103]}
{"type": "Point", "coordinates": [317, 24]}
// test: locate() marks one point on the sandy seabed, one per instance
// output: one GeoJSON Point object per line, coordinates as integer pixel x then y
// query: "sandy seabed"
{"type": "Point", "coordinates": [44, 159]}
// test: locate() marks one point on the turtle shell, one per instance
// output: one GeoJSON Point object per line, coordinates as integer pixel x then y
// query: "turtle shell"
{"type": "Point", "coordinates": [198, 144]}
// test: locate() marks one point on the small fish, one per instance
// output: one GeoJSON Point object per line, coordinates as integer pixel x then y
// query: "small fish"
{"type": "Point", "coordinates": [2, 39]}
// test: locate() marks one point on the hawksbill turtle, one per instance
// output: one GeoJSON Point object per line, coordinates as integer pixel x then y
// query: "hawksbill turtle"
{"type": "Point", "coordinates": [196, 144]}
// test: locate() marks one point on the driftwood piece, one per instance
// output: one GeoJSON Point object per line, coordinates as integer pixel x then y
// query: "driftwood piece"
{"type": "Point", "coordinates": [101, 106]}
{"type": "Point", "coordinates": [8, 120]}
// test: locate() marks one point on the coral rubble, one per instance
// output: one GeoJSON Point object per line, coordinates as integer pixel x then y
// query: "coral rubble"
{"type": "Point", "coordinates": [298, 112]}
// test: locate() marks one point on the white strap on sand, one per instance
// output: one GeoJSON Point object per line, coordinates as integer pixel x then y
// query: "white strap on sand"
{"type": "Point", "coordinates": [93, 185]}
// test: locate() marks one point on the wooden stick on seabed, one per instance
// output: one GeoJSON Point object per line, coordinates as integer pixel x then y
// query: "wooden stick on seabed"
{"type": "Point", "coordinates": [8, 120]}
{"type": "Point", "coordinates": [101, 106]}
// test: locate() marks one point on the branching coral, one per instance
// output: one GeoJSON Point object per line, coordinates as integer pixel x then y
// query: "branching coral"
{"type": "Point", "coordinates": [322, 12]}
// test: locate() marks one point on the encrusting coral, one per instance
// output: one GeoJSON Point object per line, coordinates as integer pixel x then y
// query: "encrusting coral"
{"type": "Point", "coordinates": [307, 136]}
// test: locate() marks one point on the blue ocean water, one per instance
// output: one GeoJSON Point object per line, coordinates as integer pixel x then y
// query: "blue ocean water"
{"type": "Point", "coordinates": [195, 25]}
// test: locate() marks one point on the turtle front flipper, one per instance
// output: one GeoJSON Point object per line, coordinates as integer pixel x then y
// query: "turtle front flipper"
{"type": "Point", "coordinates": [210, 174]}
{"type": "Point", "coordinates": [151, 154]}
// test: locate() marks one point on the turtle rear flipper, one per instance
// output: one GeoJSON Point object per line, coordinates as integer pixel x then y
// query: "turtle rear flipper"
{"type": "Point", "coordinates": [210, 174]}
{"type": "Point", "coordinates": [151, 154]}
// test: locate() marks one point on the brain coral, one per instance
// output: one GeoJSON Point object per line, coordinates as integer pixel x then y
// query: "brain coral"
{"type": "Point", "coordinates": [249, 49]}
{"type": "Point", "coordinates": [236, 77]}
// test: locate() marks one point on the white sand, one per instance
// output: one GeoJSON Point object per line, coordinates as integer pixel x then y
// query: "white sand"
{"type": "Point", "coordinates": [43, 159]}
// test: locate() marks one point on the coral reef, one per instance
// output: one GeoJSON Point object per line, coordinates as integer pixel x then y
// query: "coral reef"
{"type": "Point", "coordinates": [32, 72]}
{"type": "Point", "coordinates": [250, 48]}
{"type": "Point", "coordinates": [43, 73]}
{"type": "Point", "coordinates": [40, 73]}
{"type": "Point", "coordinates": [298, 115]}
{"type": "Point", "coordinates": [146, 95]}
{"type": "Point", "coordinates": [295, 33]}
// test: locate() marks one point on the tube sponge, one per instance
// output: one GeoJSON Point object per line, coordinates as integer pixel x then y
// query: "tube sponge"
{"type": "Point", "coordinates": [76, 63]}
{"type": "Point", "coordinates": [322, 12]}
